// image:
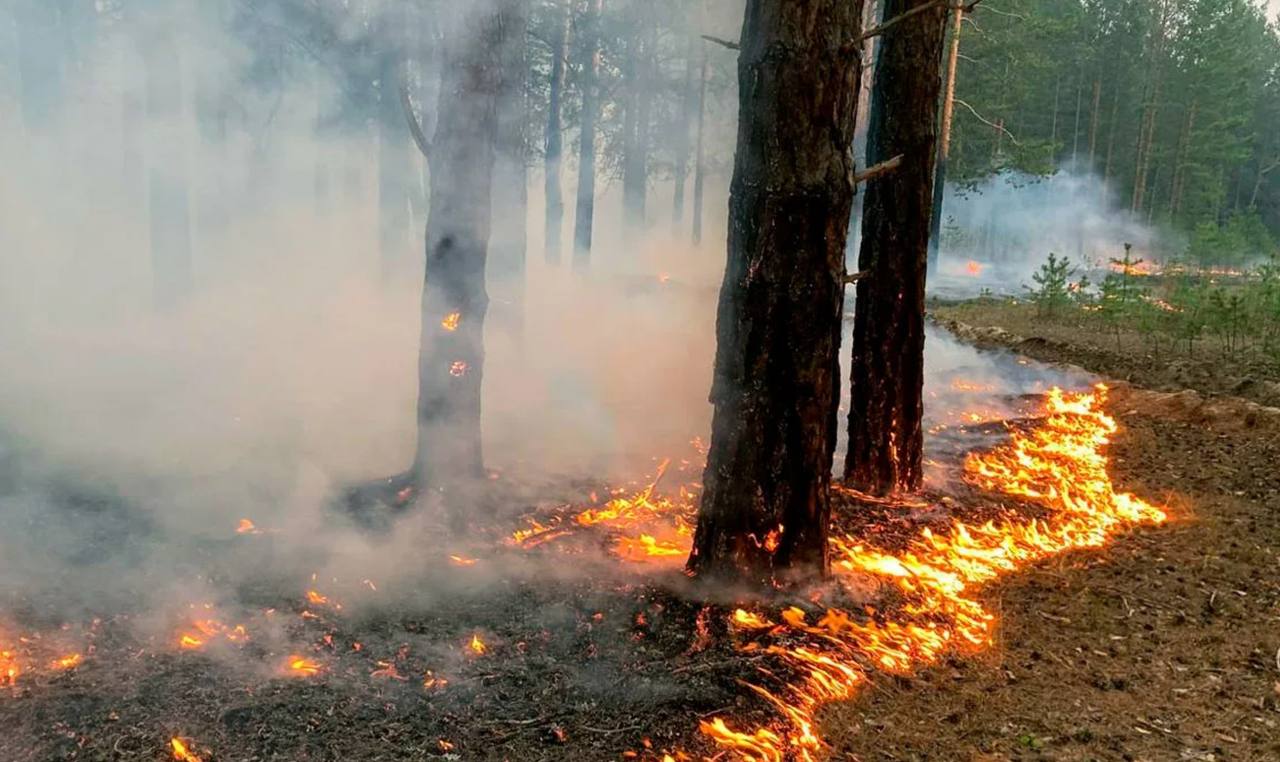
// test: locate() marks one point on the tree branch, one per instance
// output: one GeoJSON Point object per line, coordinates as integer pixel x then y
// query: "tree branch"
{"type": "Point", "coordinates": [726, 43]}
{"type": "Point", "coordinates": [415, 128]}
{"type": "Point", "coordinates": [875, 170]}
{"type": "Point", "coordinates": [850, 278]}
{"type": "Point", "coordinates": [855, 45]}
{"type": "Point", "coordinates": [980, 118]}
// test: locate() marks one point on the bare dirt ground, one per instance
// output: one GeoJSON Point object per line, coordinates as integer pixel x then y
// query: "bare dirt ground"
{"type": "Point", "coordinates": [1164, 646]}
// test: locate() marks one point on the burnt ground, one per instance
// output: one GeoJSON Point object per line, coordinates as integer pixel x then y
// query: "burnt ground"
{"type": "Point", "coordinates": [1164, 646]}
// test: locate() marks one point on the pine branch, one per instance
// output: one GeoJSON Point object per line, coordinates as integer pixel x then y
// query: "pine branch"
{"type": "Point", "coordinates": [989, 123]}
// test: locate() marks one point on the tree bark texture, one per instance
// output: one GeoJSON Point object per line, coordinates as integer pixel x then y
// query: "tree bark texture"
{"type": "Point", "coordinates": [887, 367]}
{"type": "Point", "coordinates": [766, 505]}
{"type": "Point", "coordinates": [454, 299]}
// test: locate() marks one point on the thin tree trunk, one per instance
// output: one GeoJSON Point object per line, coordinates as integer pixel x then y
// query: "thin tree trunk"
{"type": "Point", "coordinates": [766, 505]}
{"type": "Point", "coordinates": [1075, 130]}
{"type": "Point", "coordinates": [944, 143]}
{"type": "Point", "coordinates": [509, 239]}
{"type": "Point", "coordinates": [1111, 135]}
{"type": "Point", "coordinates": [1053, 129]}
{"type": "Point", "coordinates": [1093, 125]}
{"type": "Point", "coordinates": [554, 137]}
{"type": "Point", "coordinates": [585, 212]}
{"type": "Point", "coordinates": [454, 299]}
{"type": "Point", "coordinates": [639, 83]}
{"type": "Point", "coordinates": [682, 136]}
{"type": "Point", "coordinates": [885, 451]}
{"type": "Point", "coordinates": [1179, 162]}
{"type": "Point", "coordinates": [700, 164]}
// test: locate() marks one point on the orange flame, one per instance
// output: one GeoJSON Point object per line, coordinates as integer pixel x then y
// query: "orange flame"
{"type": "Point", "coordinates": [477, 645]}
{"type": "Point", "coordinates": [246, 526]}
{"type": "Point", "coordinates": [462, 561]}
{"type": "Point", "coordinates": [1060, 465]}
{"type": "Point", "coordinates": [302, 666]}
{"type": "Point", "coordinates": [451, 321]}
{"type": "Point", "coordinates": [10, 670]}
{"type": "Point", "coordinates": [70, 661]}
{"type": "Point", "coordinates": [973, 268]}
{"type": "Point", "coordinates": [181, 752]}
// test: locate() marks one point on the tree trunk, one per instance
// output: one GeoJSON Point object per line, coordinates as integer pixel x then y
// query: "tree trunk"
{"type": "Point", "coordinates": [509, 240]}
{"type": "Point", "coordinates": [1111, 135]}
{"type": "Point", "coordinates": [944, 143]}
{"type": "Point", "coordinates": [639, 87]}
{"type": "Point", "coordinates": [700, 164]}
{"type": "Point", "coordinates": [454, 300]}
{"type": "Point", "coordinates": [1093, 125]}
{"type": "Point", "coordinates": [395, 173]}
{"type": "Point", "coordinates": [590, 65]}
{"type": "Point", "coordinates": [766, 503]}
{"type": "Point", "coordinates": [687, 99]}
{"type": "Point", "coordinates": [1179, 163]}
{"type": "Point", "coordinates": [555, 138]}
{"type": "Point", "coordinates": [1075, 130]}
{"type": "Point", "coordinates": [887, 368]}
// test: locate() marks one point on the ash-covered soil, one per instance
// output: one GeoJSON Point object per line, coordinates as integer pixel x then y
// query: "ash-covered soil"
{"type": "Point", "coordinates": [1163, 646]}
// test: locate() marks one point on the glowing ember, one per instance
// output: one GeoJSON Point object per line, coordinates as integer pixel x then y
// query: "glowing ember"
{"type": "Point", "coordinates": [246, 526]}
{"type": "Point", "coordinates": [973, 268]}
{"type": "Point", "coordinates": [431, 682]}
{"type": "Point", "coordinates": [477, 645]}
{"type": "Point", "coordinates": [70, 661]}
{"type": "Point", "coordinates": [181, 752]}
{"type": "Point", "coordinates": [451, 321]}
{"type": "Point", "coordinates": [462, 561]}
{"type": "Point", "coordinates": [444, 745]}
{"type": "Point", "coordinates": [646, 547]}
{"type": "Point", "coordinates": [316, 598]}
{"type": "Point", "coordinates": [458, 369]}
{"type": "Point", "coordinates": [9, 668]}
{"type": "Point", "coordinates": [301, 666]}
{"type": "Point", "coordinates": [1060, 465]}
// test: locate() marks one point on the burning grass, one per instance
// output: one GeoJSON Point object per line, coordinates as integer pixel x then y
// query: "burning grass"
{"type": "Point", "coordinates": [905, 593]}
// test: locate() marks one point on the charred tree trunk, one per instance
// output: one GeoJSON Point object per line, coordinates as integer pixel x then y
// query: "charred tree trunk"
{"type": "Point", "coordinates": [887, 368]}
{"type": "Point", "coordinates": [944, 142]}
{"type": "Point", "coordinates": [554, 144]}
{"type": "Point", "coordinates": [766, 503]}
{"type": "Point", "coordinates": [700, 164]}
{"type": "Point", "coordinates": [454, 300]}
{"type": "Point", "coordinates": [584, 216]}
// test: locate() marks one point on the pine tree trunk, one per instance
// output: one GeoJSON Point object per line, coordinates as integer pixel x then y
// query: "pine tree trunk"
{"type": "Point", "coordinates": [1111, 135]}
{"type": "Point", "coordinates": [554, 137]}
{"type": "Point", "coordinates": [687, 99]}
{"type": "Point", "coordinates": [635, 158]}
{"type": "Point", "coordinates": [944, 142]}
{"type": "Point", "coordinates": [1093, 125]}
{"type": "Point", "coordinates": [584, 216]}
{"type": "Point", "coordinates": [700, 164]}
{"type": "Point", "coordinates": [766, 504]}
{"type": "Point", "coordinates": [1179, 163]}
{"type": "Point", "coordinates": [509, 240]}
{"type": "Point", "coordinates": [454, 299]}
{"type": "Point", "coordinates": [887, 367]}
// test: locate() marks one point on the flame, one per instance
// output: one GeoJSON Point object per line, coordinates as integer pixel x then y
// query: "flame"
{"type": "Point", "coordinates": [462, 561]}
{"type": "Point", "coordinates": [458, 369]}
{"type": "Point", "coordinates": [317, 598]}
{"type": "Point", "coordinates": [70, 661]}
{"type": "Point", "coordinates": [477, 645]}
{"type": "Point", "coordinates": [1060, 465]}
{"type": "Point", "coordinates": [246, 526]}
{"type": "Point", "coordinates": [181, 752]}
{"type": "Point", "coordinates": [10, 670]}
{"type": "Point", "coordinates": [430, 681]}
{"type": "Point", "coordinates": [450, 321]}
{"type": "Point", "coordinates": [973, 268]}
{"type": "Point", "coordinates": [302, 666]}
{"type": "Point", "coordinates": [203, 631]}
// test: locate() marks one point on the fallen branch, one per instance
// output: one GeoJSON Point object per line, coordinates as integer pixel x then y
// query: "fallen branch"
{"type": "Point", "coordinates": [415, 129]}
{"type": "Point", "coordinates": [730, 44]}
{"type": "Point", "coordinates": [875, 170]}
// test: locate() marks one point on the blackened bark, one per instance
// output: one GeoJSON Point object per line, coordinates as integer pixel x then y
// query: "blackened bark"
{"type": "Point", "coordinates": [554, 145]}
{"type": "Point", "coordinates": [454, 299]}
{"type": "Point", "coordinates": [887, 367]}
{"type": "Point", "coordinates": [766, 505]}
{"type": "Point", "coordinates": [584, 214]}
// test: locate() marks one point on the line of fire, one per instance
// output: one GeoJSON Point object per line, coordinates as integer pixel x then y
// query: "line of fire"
{"type": "Point", "coordinates": [899, 380]}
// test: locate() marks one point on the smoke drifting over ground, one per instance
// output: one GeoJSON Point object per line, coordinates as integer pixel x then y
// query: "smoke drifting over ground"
{"type": "Point", "coordinates": [997, 232]}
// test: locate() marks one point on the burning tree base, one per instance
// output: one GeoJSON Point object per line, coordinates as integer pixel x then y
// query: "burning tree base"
{"type": "Point", "coordinates": [573, 666]}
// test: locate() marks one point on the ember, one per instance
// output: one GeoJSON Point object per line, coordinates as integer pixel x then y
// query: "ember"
{"type": "Point", "coordinates": [303, 667]}
{"type": "Point", "coordinates": [181, 752]}
{"type": "Point", "coordinates": [247, 527]}
{"type": "Point", "coordinates": [458, 369]}
{"type": "Point", "coordinates": [69, 661]}
{"type": "Point", "coordinates": [451, 321]}
{"type": "Point", "coordinates": [477, 645]}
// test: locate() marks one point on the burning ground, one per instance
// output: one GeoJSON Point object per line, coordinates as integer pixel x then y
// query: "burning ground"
{"type": "Point", "coordinates": [566, 630]}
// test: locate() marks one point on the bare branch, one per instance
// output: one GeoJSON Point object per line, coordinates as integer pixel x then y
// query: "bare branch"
{"type": "Point", "coordinates": [851, 278]}
{"type": "Point", "coordinates": [876, 31]}
{"type": "Point", "coordinates": [989, 123]}
{"type": "Point", "coordinates": [875, 170]}
{"type": "Point", "coordinates": [731, 45]}
{"type": "Point", "coordinates": [415, 128]}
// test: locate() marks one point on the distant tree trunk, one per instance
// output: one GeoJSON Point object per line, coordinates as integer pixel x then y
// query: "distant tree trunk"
{"type": "Point", "coordinates": [1075, 130]}
{"type": "Point", "coordinates": [167, 185]}
{"type": "Point", "coordinates": [682, 147]}
{"type": "Point", "coordinates": [700, 164]}
{"type": "Point", "coordinates": [1179, 162]}
{"type": "Point", "coordinates": [639, 86]}
{"type": "Point", "coordinates": [887, 367]}
{"type": "Point", "coordinates": [454, 299]}
{"type": "Point", "coordinates": [944, 143]}
{"type": "Point", "coordinates": [766, 503]}
{"type": "Point", "coordinates": [1053, 129]}
{"type": "Point", "coordinates": [584, 216]}
{"type": "Point", "coordinates": [1150, 108]}
{"type": "Point", "coordinates": [395, 175]}
{"type": "Point", "coordinates": [1093, 125]}
{"type": "Point", "coordinates": [554, 137]}
{"type": "Point", "coordinates": [509, 241]}
{"type": "Point", "coordinates": [1111, 134]}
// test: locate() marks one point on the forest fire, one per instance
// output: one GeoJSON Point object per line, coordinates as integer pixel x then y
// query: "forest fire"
{"type": "Point", "coordinates": [181, 752]}
{"type": "Point", "coordinates": [973, 268]}
{"type": "Point", "coordinates": [450, 322]}
{"type": "Point", "coordinates": [477, 646]}
{"type": "Point", "coordinates": [1060, 465]}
